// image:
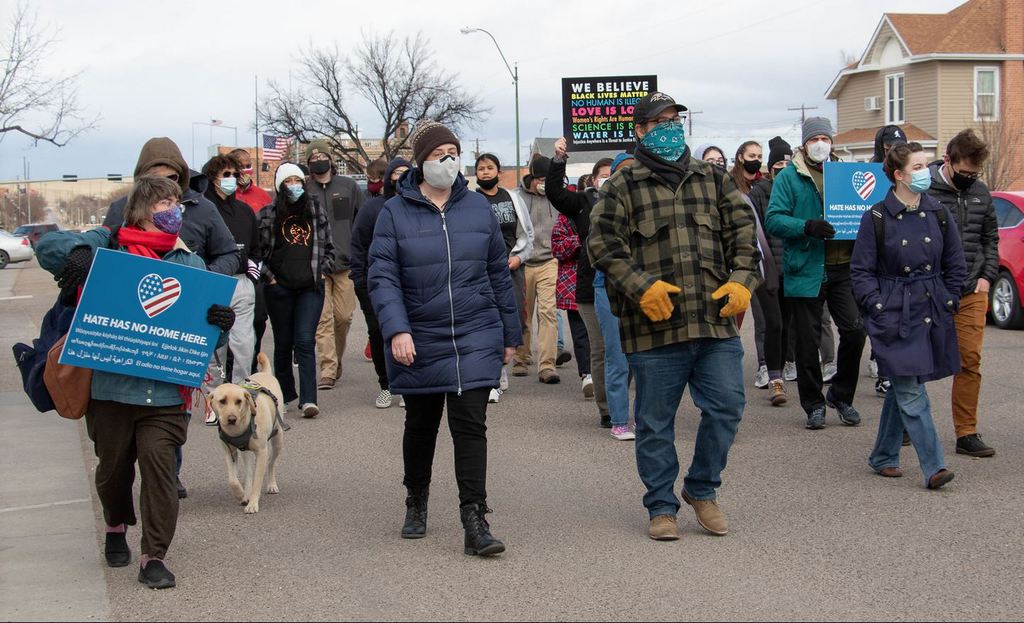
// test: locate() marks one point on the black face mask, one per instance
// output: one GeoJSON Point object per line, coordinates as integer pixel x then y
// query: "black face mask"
{"type": "Point", "coordinates": [487, 184]}
{"type": "Point", "coordinates": [961, 181]}
{"type": "Point", "coordinates": [751, 166]}
{"type": "Point", "coordinates": [320, 167]}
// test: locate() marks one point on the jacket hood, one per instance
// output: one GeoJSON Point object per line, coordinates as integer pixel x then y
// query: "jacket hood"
{"type": "Point", "coordinates": [409, 187]}
{"type": "Point", "coordinates": [162, 150]}
{"type": "Point", "coordinates": [938, 183]}
{"type": "Point", "coordinates": [390, 188]}
{"type": "Point", "coordinates": [198, 182]}
{"type": "Point", "coordinates": [895, 135]}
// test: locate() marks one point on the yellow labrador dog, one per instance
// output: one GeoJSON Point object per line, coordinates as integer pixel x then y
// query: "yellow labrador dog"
{"type": "Point", "coordinates": [248, 421]}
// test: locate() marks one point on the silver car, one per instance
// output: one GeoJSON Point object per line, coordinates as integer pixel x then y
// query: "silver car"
{"type": "Point", "coordinates": [14, 249]}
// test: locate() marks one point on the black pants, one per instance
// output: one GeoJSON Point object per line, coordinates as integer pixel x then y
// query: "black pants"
{"type": "Point", "coordinates": [376, 338]}
{"type": "Point", "coordinates": [770, 305]}
{"type": "Point", "coordinates": [580, 342]}
{"type": "Point", "coordinates": [837, 291]}
{"type": "Point", "coordinates": [467, 417]}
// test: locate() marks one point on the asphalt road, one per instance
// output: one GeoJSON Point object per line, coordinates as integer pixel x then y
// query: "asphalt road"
{"type": "Point", "coordinates": [814, 533]}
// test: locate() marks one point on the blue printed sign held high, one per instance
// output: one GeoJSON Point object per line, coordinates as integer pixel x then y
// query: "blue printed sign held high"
{"type": "Point", "coordinates": [851, 188]}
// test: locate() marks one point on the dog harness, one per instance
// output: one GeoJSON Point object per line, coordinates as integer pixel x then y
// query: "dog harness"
{"type": "Point", "coordinates": [241, 442]}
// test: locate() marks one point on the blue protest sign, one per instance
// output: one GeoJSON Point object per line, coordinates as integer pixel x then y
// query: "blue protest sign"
{"type": "Point", "coordinates": [850, 189]}
{"type": "Point", "coordinates": [147, 318]}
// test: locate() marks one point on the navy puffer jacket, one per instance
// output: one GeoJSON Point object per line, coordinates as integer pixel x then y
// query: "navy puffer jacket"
{"type": "Point", "coordinates": [442, 277]}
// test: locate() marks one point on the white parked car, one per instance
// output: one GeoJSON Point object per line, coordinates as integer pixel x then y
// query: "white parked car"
{"type": "Point", "coordinates": [14, 249]}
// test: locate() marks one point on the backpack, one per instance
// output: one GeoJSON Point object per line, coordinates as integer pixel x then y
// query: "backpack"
{"type": "Point", "coordinates": [31, 360]}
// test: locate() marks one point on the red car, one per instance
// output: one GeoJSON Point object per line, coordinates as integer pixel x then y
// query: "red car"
{"type": "Point", "coordinates": [1005, 304]}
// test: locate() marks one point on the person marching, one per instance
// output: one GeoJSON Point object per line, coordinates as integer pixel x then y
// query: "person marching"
{"type": "Point", "coordinates": [907, 270]}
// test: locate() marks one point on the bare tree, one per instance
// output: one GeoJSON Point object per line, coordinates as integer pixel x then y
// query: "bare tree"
{"type": "Point", "coordinates": [400, 78]}
{"type": "Point", "coordinates": [40, 106]}
{"type": "Point", "coordinates": [1005, 164]}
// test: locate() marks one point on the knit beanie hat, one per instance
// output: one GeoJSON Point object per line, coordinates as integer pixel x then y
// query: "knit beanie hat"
{"type": "Point", "coordinates": [703, 149]}
{"type": "Point", "coordinates": [815, 126]}
{"type": "Point", "coordinates": [318, 147]}
{"type": "Point", "coordinates": [285, 171]}
{"type": "Point", "coordinates": [778, 150]}
{"type": "Point", "coordinates": [619, 159]}
{"type": "Point", "coordinates": [428, 136]}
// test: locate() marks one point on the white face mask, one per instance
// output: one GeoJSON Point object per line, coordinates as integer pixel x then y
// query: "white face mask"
{"type": "Point", "coordinates": [819, 150]}
{"type": "Point", "coordinates": [601, 181]}
{"type": "Point", "coordinates": [441, 174]}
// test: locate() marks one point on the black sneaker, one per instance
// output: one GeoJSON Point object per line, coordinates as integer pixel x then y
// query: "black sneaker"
{"type": "Point", "coordinates": [847, 414]}
{"type": "Point", "coordinates": [972, 445]}
{"type": "Point", "coordinates": [882, 386]}
{"type": "Point", "coordinates": [816, 419]}
{"type": "Point", "coordinates": [563, 358]}
{"type": "Point", "coordinates": [182, 491]}
{"type": "Point", "coordinates": [116, 550]}
{"type": "Point", "coordinates": [606, 421]}
{"type": "Point", "coordinates": [156, 575]}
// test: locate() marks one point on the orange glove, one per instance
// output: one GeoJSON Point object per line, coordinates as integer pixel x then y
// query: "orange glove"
{"type": "Point", "coordinates": [739, 298]}
{"type": "Point", "coordinates": [656, 303]}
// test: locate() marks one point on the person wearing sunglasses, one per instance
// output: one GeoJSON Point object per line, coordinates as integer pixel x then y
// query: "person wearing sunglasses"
{"type": "Point", "coordinates": [956, 186]}
{"type": "Point", "coordinates": [248, 190]}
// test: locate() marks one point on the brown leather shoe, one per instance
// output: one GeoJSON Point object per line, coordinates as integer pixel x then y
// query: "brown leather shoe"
{"type": "Point", "coordinates": [890, 472]}
{"type": "Point", "coordinates": [664, 528]}
{"type": "Point", "coordinates": [940, 478]}
{"type": "Point", "coordinates": [520, 369]}
{"type": "Point", "coordinates": [709, 516]}
{"type": "Point", "coordinates": [549, 377]}
{"type": "Point", "coordinates": [777, 393]}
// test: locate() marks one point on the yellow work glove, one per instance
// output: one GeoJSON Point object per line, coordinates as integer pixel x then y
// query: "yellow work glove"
{"type": "Point", "coordinates": [739, 298]}
{"type": "Point", "coordinates": [656, 303]}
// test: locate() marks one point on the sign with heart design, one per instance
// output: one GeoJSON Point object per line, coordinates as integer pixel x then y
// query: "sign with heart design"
{"type": "Point", "coordinates": [158, 294]}
{"type": "Point", "coordinates": [864, 183]}
{"type": "Point", "coordinates": [851, 188]}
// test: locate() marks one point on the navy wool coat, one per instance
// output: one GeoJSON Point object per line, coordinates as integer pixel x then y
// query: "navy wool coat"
{"type": "Point", "coordinates": [443, 277]}
{"type": "Point", "coordinates": [910, 293]}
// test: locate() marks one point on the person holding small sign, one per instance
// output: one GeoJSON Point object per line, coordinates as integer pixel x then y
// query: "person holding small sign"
{"type": "Point", "coordinates": [908, 270]}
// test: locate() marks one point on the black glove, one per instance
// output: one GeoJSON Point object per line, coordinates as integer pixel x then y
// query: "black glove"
{"type": "Point", "coordinates": [221, 316]}
{"type": "Point", "coordinates": [75, 270]}
{"type": "Point", "coordinates": [821, 230]}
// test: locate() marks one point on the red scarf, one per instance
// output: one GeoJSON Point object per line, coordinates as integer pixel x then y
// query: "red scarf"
{"type": "Point", "coordinates": [152, 244]}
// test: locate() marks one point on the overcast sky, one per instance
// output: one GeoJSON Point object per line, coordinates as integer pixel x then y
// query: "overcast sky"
{"type": "Point", "coordinates": [152, 70]}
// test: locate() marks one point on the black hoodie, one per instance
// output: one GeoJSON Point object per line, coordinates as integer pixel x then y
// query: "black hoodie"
{"type": "Point", "coordinates": [366, 219]}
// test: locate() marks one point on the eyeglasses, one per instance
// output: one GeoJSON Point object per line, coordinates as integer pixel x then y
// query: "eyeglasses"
{"type": "Point", "coordinates": [318, 156]}
{"type": "Point", "coordinates": [969, 175]}
{"type": "Point", "coordinates": [247, 170]}
{"type": "Point", "coordinates": [229, 174]}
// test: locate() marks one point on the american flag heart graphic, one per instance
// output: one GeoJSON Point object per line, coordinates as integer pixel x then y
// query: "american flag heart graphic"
{"type": "Point", "coordinates": [864, 183]}
{"type": "Point", "coordinates": [157, 294]}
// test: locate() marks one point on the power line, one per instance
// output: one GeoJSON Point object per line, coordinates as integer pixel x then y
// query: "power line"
{"type": "Point", "coordinates": [803, 111]}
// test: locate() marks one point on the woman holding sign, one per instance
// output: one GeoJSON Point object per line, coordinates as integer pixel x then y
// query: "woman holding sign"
{"type": "Point", "coordinates": [132, 419]}
{"type": "Point", "coordinates": [907, 270]}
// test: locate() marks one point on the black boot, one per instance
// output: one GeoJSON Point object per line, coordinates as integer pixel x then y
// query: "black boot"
{"type": "Point", "coordinates": [479, 540]}
{"type": "Point", "coordinates": [416, 514]}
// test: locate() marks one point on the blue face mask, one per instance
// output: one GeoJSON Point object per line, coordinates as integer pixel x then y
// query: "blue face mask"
{"type": "Point", "coordinates": [228, 185]}
{"type": "Point", "coordinates": [168, 221]}
{"type": "Point", "coordinates": [666, 140]}
{"type": "Point", "coordinates": [920, 181]}
{"type": "Point", "coordinates": [295, 191]}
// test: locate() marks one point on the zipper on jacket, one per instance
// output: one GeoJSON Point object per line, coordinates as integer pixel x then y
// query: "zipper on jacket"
{"type": "Point", "coordinates": [451, 302]}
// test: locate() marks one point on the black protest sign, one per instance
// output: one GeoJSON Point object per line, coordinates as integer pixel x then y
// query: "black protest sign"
{"type": "Point", "coordinates": [597, 113]}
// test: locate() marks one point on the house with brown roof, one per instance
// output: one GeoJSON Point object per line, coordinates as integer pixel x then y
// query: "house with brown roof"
{"type": "Point", "coordinates": [936, 74]}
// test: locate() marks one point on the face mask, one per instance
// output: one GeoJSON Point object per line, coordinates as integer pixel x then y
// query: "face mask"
{"type": "Point", "coordinates": [920, 181]}
{"type": "Point", "coordinates": [245, 179]}
{"type": "Point", "coordinates": [168, 221]}
{"type": "Point", "coordinates": [487, 184]}
{"type": "Point", "coordinates": [819, 151]}
{"type": "Point", "coordinates": [752, 166]}
{"type": "Point", "coordinates": [666, 140]}
{"type": "Point", "coordinates": [601, 181]}
{"type": "Point", "coordinates": [961, 181]}
{"type": "Point", "coordinates": [541, 187]}
{"type": "Point", "coordinates": [228, 185]}
{"type": "Point", "coordinates": [775, 172]}
{"type": "Point", "coordinates": [441, 174]}
{"type": "Point", "coordinates": [375, 187]}
{"type": "Point", "coordinates": [295, 191]}
{"type": "Point", "coordinates": [320, 167]}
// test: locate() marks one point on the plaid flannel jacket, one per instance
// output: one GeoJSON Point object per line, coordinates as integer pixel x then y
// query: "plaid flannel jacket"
{"type": "Point", "coordinates": [696, 237]}
{"type": "Point", "coordinates": [322, 262]}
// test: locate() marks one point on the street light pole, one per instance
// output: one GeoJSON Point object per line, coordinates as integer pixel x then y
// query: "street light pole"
{"type": "Point", "coordinates": [515, 81]}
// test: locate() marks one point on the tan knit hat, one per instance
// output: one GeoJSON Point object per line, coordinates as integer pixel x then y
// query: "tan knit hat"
{"type": "Point", "coordinates": [427, 137]}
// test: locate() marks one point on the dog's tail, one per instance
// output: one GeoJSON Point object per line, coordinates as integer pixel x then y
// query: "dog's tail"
{"type": "Point", "coordinates": [263, 364]}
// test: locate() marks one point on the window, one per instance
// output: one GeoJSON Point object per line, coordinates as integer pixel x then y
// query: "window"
{"type": "Point", "coordinates": [894, 101]}
{"type": "Point", "coordinates": [1007, 214]}
{"type": "Point", "coordinates": [986, 93]}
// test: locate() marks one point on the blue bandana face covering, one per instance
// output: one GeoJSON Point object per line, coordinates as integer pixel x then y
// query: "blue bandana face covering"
{"type": "Point", "coordinates": [168, 221]}
{"type": "Point", "coordinates": [666, 140]}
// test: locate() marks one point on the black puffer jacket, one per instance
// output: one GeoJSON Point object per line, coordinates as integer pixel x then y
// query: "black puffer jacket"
{"type": "Point", "coordinates": [760, 195]}
{"type": "Point", "coordinates": [979, 230]}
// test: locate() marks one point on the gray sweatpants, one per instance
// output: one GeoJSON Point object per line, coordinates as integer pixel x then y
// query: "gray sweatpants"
{"type": "Point", "coordinates": [242, 337]}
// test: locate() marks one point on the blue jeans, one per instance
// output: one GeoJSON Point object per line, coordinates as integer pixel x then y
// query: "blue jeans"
{"type": "Point", "coordinates": [616, 368]}
{"type": "Point", "coordinates": [294, 315]}
{"type": "Point", "coordinates": [710, 368]}
{"type": "Point", "coordinates": [907, 407]}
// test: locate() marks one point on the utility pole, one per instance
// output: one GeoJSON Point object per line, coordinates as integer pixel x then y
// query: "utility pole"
{"type": "Point", "coordinates": [689, 119]}
{"type": "Point", "coordinates": [803, 111]}
{"type": "Point", "coordinates": [476, 152]}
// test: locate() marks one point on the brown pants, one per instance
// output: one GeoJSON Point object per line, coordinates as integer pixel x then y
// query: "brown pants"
{"type": "Point", "coordinates": [540, 298]}
{"type": "Point", "coordinates": [123, 434]}
{"type": "Point", "coordinates": [335, 320]}
{"type": "Point", "coordinates": [970, 333]}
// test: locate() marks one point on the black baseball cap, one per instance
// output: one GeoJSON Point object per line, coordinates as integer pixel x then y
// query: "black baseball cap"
{"type": "Point", "coordinates": [652, 105]}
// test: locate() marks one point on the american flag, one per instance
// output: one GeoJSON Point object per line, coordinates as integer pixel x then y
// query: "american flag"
{"type": "Point", "coordinates": [274, 146]}
{"type": "Point", "coordinates": [157, 294]}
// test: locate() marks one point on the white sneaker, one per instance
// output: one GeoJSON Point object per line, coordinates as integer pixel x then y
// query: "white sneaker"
{"type": "Point", "coordinates": [789, 371]}
{"type": "Point", "coordinates": [828, 372]}
{"type": "Point", "coordinates": [384, 399]}
{"type": "Point", "coordinates": [494, 397]}
{"type": "Point", "coordinates": [588, 386]}
{"type": "Point", "coordinates": [872, 368]}
{"type": "Point", "coordinates": [503, 383]}
{"type": "Point", "coordinates": [401, 401]}
{"type": "Point", "coordinates": [211, 417]}
{"type": "Point", "coordinates": [310, 410]}
{"type": "Point", "coordinates": [761, 378]}
{"type": "Point", "coordinates": [622, 433]}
